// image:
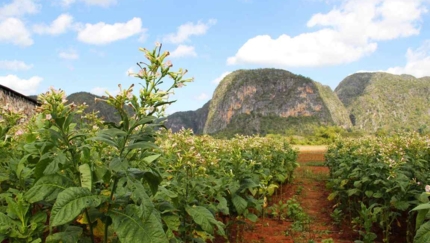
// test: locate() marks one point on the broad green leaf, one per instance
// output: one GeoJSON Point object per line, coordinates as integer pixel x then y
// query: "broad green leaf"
{"type": "Point", "coordinates": [368, 193]}
{"type": "Point", "coordinates": [47, 188]}
{"type": "Point", "coordinates": [54, 166]}
{"type": "Point", "coordinates": [70, 235]}
{"type": "Point", "coordinates": [70, 204]}
{"type": "Point", "coordinates": [17, 208]}
{"type": "Point", "coordinates": [132, 229]}
{"type": "Point", "coordinates": [86, 179]}
{"type": "Point", "coordinates": [422, 206]}
{"type": "Point", "coordinates": [6, 223]}
{"type": "Point", "coordinates": [421, 216]}
{"type": "Point", "coordinates": [271, 189]}
{"type": "Point", "coordinates": [353, 191]}
{"type": "Point", "coordinates": [222, 205]}
{"type": "Point", "coordinates": [152, 158]}
{"type": "Point", "coordinates": [239, 203]}
{"type": "Point", "coordinates": [252, 217]}
{"type": "Point", "coordinates": [172, 221]}
{"type": "Point", "coordinates": [423, 233]}
{"type": "Point", "coordinates": [247, 184]}
{"type": "Point", "coordinates": [117, 164]}
{"type": "Point", "coordinates": [141, 198]}
{"type": "Point", "coordinates": [332, 195]}
{"type": "Point", "coordinates": [401, 205]}
{"type": "Point", "coordinates": [203, 217]}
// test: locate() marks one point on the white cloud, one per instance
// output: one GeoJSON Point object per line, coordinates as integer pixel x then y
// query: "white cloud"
{"type": "Point", "coordinates": [14, 65]}
{"type": "Point", "coordinates": [418, 62]}
{"type": "Point", "coordinates": [70, 54]}
{"type": "Point", "coordinates": [221, 77]}
{"type": "Point", "coordinates": [67, 3]}
{"type": "Point", "coordinates": [18, 8]}
{"type": "Point", "coordinates": [349, 32]}
{"type": "Point", "coordinates": [24, 86]}
{"type": "Point", "coordinates": [101, 91]}
{"type": "Point", "coordinates": [102, 33]}
{"type": "Point", "coordinates": [202, 96]}
{"type": "Point", "coordinates": [183, 51]}
{"type": "Point", "coordinates": [58, 26]}
{"type": "Point", "coordinates": [101, 3]}
{"type": "Point", "coordinates": [189, 29]}
{"type": "Point", "coordinates": [13, 30]}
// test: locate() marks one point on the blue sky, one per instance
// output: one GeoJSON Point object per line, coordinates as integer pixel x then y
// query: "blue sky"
{"type": "Point", "coordinates": [90, 45]}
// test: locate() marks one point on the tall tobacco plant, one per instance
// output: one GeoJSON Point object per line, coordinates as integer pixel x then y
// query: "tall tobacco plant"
{"type": "Point", "coordinates": [93, 182]}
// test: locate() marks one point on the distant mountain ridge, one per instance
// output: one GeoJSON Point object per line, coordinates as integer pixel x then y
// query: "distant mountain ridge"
{"type": "Point", "coordinates": [386, 101]}
{"type": "Point", "coordinates": [265, 101]}
{"type": "Point", "coordinates": [262, 101]}
{"type": "Point", "coordinates": [273, 100]}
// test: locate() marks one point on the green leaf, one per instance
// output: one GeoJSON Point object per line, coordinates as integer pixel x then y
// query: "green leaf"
{"type": "Point", "coordinates": [141, 145]}
{"type": "Point", "coordinates": [353, 191]}
{"type": "Point", "coordinates": [422, 206]}
{"type": "Point", "coordinates": [401, 205]}
{"type": "Point", "coordinates": [421, 216]}
{"type": "Point", "coordinates": [203, 217]}
{"type": "Point", "coordinates": [332, 195]}
{"type": "Point", "coordinates": [70, 235]}
{"type": "Point", "coordinates": [140, 196]}
{"type": "Point", "coordinates": [118, 165]}
{"type": "Point", "coordinates": [47, 188]}
{"type": "Point", "coordinates": [54, 166]}
{"type": "Point", "coordinates": [271, 189]}
{"type": "Point", "coordinates": [86, 180]}
{"type": "Point", "coordinates": [239, 203]}
{"type": "Point", "coordinates": [172, 221]}
{"type": "Point", "coordinates": [6, 224]}
{"type": "Point", "coordinates": [423, 233]}
{"type": "Point", "coordinates": [132, 229]}
{"type": "Point", "coordinates": [222, 205]}
{"type": "Point", "coordinates": [252, 217]}
{"type": "Point", "coordinates": [70, 204]}
{"type": "Point", "coordinates": [152, 158]}
{"type": "Point", "coordinates": [368, 193]}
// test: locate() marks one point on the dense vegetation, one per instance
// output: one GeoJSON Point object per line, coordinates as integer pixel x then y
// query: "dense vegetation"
{"type": "Point", "coordinates": [377, 181]}
{"type": "Point", "coordinates": [70, 177]}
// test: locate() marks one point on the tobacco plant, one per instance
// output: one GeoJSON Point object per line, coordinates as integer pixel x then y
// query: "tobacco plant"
{"type": "Point", "coordinates": [382, 174]}
{"type": "Point", "coordinates": [88, 182]}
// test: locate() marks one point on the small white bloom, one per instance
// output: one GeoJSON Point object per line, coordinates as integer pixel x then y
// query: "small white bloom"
{"type": "Point", "coordinates": [427, 188]}
{"type": "Point", "coordinates": [48, 117]}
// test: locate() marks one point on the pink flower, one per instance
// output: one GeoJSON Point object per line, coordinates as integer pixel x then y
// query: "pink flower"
{"type": "Point", "coordinates": [168, 64]}
{"type": "Point", "coordinates": [19, 132]}
{"type": "Point", "coordinates": [129, 95]}
{"type": "Point", "coordinates": [48, 117]}
{"type": "Point", "coordinates": [427, 188]}
{"type": "Point", "coordinates": [157, 44]}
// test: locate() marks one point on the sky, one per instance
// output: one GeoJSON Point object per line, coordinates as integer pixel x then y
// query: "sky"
{"type": "Point", "coordinates": [92, 45]}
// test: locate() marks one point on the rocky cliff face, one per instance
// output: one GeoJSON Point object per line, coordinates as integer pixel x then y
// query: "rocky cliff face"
{"type": "Point", "coordinates": [194, 120]}
{"type": "Point", "coordinates": [386, 101]}
{"type": "Point", "coordinates": [250, 99]}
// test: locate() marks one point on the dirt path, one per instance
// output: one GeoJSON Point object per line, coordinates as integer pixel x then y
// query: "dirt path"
{"type": "Point", "coordinates": [308, 190]}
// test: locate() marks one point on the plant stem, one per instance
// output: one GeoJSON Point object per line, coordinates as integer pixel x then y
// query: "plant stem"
{"type": "Point", "coordinates": [115, 183]}
{"type": "Point", "coordinates": [89, 223]}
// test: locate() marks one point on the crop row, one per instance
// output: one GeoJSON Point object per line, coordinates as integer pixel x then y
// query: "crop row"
{"type": "Point", "coordinates": [376, 182]}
